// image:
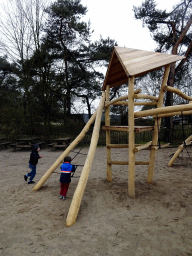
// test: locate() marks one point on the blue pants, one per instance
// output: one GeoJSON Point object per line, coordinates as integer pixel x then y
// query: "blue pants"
{"type": "Point", "coordinates": [32, 173]}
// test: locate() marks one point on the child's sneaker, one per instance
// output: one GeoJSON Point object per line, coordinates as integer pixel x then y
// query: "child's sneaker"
{"type": "Point", "coordinates": [25, 177]}
{"type": "Point", "coordinates": [31, 182]}
{"type": "Point", "coordinates": [61, 197]}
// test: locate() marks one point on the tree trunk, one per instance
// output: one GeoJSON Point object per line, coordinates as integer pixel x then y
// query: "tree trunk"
{"type": "Point", "coordinates": [169, 102]}
{"type": "Point", "coordinates": [88, 107]}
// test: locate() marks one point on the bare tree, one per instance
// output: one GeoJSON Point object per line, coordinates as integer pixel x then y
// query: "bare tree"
{"type": "Point", "coordinates": [21, 27]}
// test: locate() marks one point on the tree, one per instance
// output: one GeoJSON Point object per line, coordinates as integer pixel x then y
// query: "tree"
{"type": "Point", "coordinates": [21, 28]}
{"type": "Point", "coordinates": [173, 34]}
{"type": "Point", "coordinates": [69, 39]}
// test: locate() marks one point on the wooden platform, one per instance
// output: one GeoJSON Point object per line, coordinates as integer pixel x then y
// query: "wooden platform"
{"type": "Point", "coordinates": [126, 128]}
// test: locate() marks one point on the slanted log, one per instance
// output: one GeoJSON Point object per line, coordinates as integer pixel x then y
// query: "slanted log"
{"type": "Point", "coordinates": [137, 149]}
{"type": "Point", "coordinates": [65, 153]}
{"type": "Point", "coordinates": [76, 201]}
{"type": "Point", "coordinates": [177, 91]}
{"type": "Point", "coordinates": [180, 148]}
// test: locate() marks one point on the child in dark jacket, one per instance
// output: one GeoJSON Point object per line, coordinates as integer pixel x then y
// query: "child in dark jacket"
{"type": "Point", "coordinates": [34, 156]}
{"type": "Point", "coordinates": [65, 178]}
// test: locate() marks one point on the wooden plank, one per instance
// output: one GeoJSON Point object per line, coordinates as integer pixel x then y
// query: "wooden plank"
{"type": "Point", "coordinates": [118, 82]}
{"type": "Point", "coordinates": [115, 69]}
{"type": "Point", "coordinates": [134, 58]}
{"type": "Point", "coordinates": [152, 64]}
{"type": "Point", "coordinates": [117, 77]}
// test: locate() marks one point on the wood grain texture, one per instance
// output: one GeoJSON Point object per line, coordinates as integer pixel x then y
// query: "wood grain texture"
{"type": "Point", "coordinates": [126, 62]}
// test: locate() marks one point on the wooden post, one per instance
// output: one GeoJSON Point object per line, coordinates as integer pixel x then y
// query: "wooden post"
{"type": "Point", "coordinates": [131, 123]}
{"type": "Point", "coordinates": [65, 153]}
{"type": "Point", "coordinates": [108, 137]}
{"type": "Point", "coordinates": [156, 127]}
{"type": "Point", "coordinates": [76, 201]}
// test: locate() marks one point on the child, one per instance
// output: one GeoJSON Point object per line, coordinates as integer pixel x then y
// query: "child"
{"type": "Point", "coordinates": [65, 178]}
{"type": "Point", "coordinates": [34, 156]}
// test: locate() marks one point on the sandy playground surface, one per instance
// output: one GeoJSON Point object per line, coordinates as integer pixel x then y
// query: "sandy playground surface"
{"type": "Point", "coordinates": [157, 222]}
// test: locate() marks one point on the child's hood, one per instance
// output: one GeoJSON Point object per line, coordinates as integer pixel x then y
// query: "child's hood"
{"type": "Point", "coordinates": [35, 147]}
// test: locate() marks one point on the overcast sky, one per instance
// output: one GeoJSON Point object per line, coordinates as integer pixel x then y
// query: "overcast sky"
{"type": "Point", "coordinates": [116, 20]}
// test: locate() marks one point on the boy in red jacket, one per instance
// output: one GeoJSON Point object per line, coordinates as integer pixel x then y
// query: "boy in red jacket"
{"type": "Point", "coordinates": [65, 178]}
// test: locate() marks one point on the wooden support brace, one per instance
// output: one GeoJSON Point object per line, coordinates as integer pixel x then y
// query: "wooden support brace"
{"type": "Point", "coordinates": [127, 162]}
{"type": "Point", "coordinates": [174, 114]}
{"type": "Point", "coordinates": [108, 135]}
{"type": "Point", "coordinates": [131, 169]}
{"type": "Point", "coordinates": [177, 91]}
{"type": "Point", "coordinates": [163, 110]}
{"type": "Point", "coordinates": [165, 145]}
{"type": "Point", "coordinates": [156, 126]}
{"type": "Point", "coordinates": [65, 153]}
{"type": "Point", "coordinates": [76, 201]}
{"type": "Point", "coordinates": [120, 145]}
{"type": "Point", "coordinates": [144, 103]}
{"type": "Point", "coordinates": [144, 96]}
{"type": "Point", "coordinates": [137, 149]}
{"type": "Point", "coordinates": [188, 141]}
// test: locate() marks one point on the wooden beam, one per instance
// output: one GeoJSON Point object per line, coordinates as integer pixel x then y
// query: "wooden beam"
{"type": "Point", "coordinates": [125, 97]}
{"type": "Point", "coordinates": [188, 141]}
{"type": "Point", "coordinates": [131, 123]}
{"type": "Point", "coordinates": [138, 148]}
{"type": "Point", "coordinates": [76, 201]}
{"type": "Point", "coordinates": [144, 96]}
{"type": "Point", "coordinates": [127, 162]}
{"type": "Point", "coordinates": [189, 112]}
{"type": "Point", "coordinates": [177, 91]}
{"type": "Point", "coordinates": [108, 138]}
{"type": "Point", "coordinates": [120, 145]}
{"type": "Point", "coordinates": [65, 153]}
{"type": "Point", "coordinates": [147, 103]}
{"type": "Point", "coordinates": [139, 103]}
{"type": "Point", "coordinates": [163, 110]}
{"type": "Point", "coordinates": [126, 128]}
{"type": "Point", "coordinates": [156, 126]}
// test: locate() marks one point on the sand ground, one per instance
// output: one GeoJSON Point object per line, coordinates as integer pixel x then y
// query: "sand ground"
{"type": "Point", "coordinates": [157, 222]}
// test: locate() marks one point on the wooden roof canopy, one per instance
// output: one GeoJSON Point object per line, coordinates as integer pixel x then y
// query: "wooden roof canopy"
{"type": "Point", "coordinates": [127, 62]}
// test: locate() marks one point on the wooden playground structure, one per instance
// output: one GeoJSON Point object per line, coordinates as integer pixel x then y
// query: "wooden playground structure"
{"type": "Point", "coordinates": [125, 65]}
